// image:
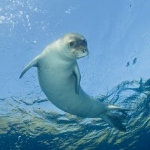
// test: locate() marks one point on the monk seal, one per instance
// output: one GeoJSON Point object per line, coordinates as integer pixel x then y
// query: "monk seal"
{"type": "Point", "coordinates": [59, 78]}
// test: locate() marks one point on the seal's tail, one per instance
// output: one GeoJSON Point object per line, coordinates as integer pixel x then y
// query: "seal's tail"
{"type": "Point", "coordinates": [115, 116]}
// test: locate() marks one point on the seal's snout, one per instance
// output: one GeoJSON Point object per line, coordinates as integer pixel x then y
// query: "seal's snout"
{"type": "Point", "coordinates": [85, 51]}
{"type": "Point", "coordinates": [81, 50]}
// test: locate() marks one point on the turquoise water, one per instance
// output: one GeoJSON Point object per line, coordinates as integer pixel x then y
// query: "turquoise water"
{"type": "Point", "coordinates": [116, 71]}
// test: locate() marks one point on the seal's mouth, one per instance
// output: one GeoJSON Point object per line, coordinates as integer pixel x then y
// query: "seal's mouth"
{"type": "Point", "coordinates": [79, 53]}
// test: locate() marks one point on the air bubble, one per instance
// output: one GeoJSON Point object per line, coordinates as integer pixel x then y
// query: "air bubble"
{"type": "Point", "coordinates": [19, 137]}
{"type": "Point", "coordinates": [27, 16]}
{"type": "Point", "coordinates": [34, 42]}
{"type": "Point", "coordinates": [21, 12]}
{"type": "Point", "coordinates": [68, 11]}
{"type": "Point", "coordinates": [2, 18]}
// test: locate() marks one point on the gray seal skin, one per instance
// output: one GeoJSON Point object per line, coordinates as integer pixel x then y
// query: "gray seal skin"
{"type": "Point", "coordinates": [59, 78]}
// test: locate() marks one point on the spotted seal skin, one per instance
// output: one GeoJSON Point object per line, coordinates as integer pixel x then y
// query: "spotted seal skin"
{"type": "Point", "coordinates": [59, 78]}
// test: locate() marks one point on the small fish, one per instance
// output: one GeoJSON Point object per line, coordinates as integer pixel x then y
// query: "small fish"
{"type": "Point", "coordinates": [134, 61]}
{"type": "Point", "coordinates": [128, 63]}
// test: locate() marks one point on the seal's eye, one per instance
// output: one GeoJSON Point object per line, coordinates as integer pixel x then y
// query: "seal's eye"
{"type": "Point", "coordinates": [72, 44]}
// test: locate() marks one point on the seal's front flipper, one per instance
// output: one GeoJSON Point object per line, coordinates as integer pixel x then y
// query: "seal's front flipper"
{"type": "Point", "coordinates": [33, 63]}
{"type": "Point", "coordinates": [77, 75]}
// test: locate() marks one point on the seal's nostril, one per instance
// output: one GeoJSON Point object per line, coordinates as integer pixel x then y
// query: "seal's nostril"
{"type": "Point", "coordinates": [83, 50]}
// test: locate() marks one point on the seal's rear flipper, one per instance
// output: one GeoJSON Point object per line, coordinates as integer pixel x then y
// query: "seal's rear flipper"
{"type": "Point", "coordinates": [115, 120]}
{"type": "Point", "coordinates": [115, 116]}
{"type": "Point", "coordinates": [33, 63]}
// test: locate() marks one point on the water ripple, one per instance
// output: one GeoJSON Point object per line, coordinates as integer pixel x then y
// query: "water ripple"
{"type": "Point", "coordinates": [26, 125]}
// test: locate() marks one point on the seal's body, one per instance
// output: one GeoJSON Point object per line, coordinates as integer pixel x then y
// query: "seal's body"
{"type": "Point", "coordinates": [59, 78]}
{"type": "Point", "coordinates": [58, 83]}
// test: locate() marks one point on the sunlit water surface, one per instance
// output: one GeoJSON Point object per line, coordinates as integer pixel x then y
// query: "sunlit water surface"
{"type": "Point", "coordinates": [28, 124]}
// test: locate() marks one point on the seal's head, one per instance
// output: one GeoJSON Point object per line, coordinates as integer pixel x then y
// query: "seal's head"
{"type": "Point", "coordinates": [75, 45]}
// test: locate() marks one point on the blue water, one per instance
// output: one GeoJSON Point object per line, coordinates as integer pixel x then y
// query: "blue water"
{"type": "Point", "coordinates": [116, 71]}
{"type": "Point", "coordinates": [28, 125]}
